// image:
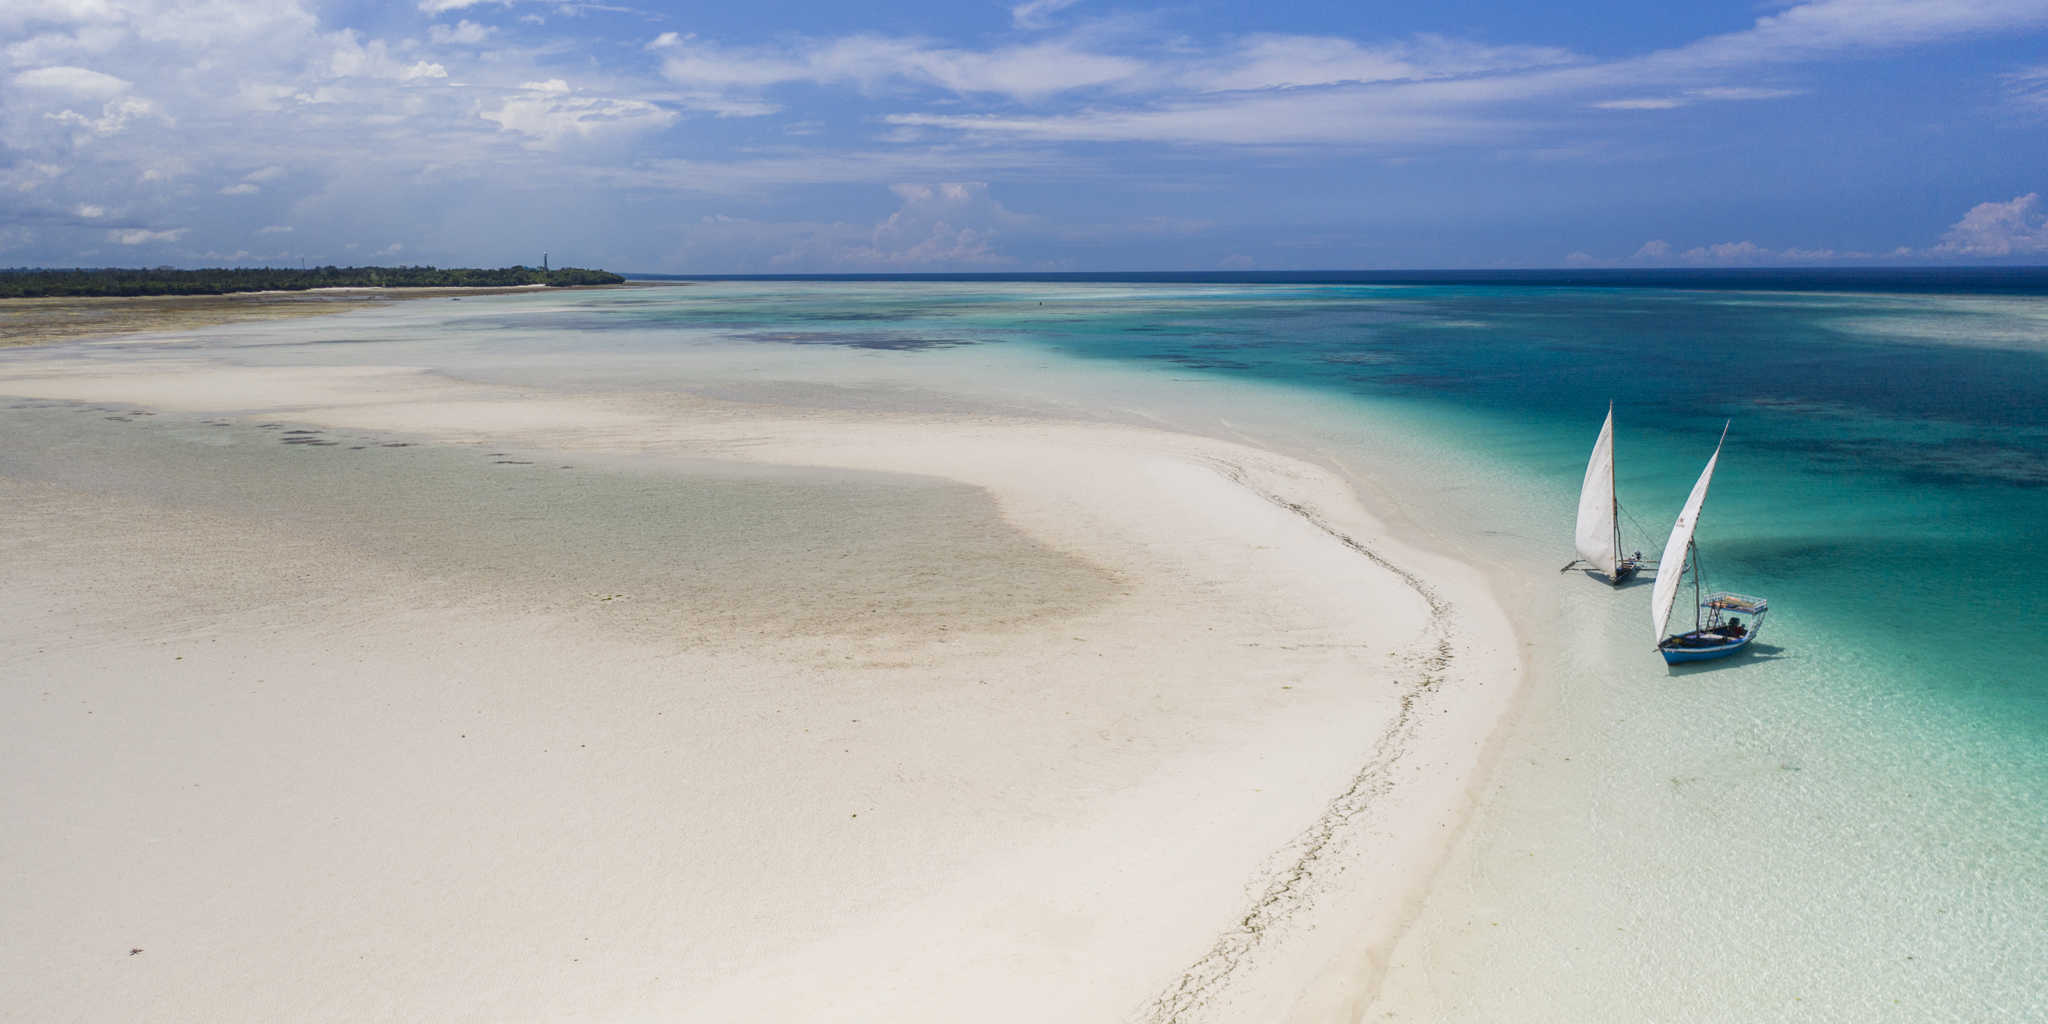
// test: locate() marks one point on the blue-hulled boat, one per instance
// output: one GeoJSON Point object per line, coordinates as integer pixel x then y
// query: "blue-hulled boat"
{"type": "Point", "coordinates": [1718, 629]}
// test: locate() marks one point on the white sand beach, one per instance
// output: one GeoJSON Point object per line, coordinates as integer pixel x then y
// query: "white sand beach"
{"type": "Point", "coordinates": [490, 703]}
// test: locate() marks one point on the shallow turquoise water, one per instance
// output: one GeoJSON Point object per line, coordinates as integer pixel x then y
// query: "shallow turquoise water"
{"type": "Point", "coordinates": [1849, 822]}
{"type": "Point", "coordinates": [1886, 481]}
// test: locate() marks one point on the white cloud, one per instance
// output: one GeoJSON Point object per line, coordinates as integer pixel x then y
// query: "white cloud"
{"type": "Point", "coordinates": [243, 189]}
{"type": "Point", "coordinates": [1813, 29]}
{"type": "Point", "coordinates": [1266, 61]}
{"type": "Point", "coordinates": [1728, 253]}
{"type": "Point", "coordinates": [1742, 93]}
{"type": "Point", "coordinates": [871, 61]}
{"type": "Point", "coordinates": [266, 174]}
{"type": "Point", "coordinates": [465, 31]}
{"type": "Point", "coordinates": [1431, 91]}
{"type": "Point", "coordinates": [89, 210]}
{"type": "Point", "coordinates": [354, 59]}
{"type": "Point", "coordinates": [1033, 14]}
{"type": "Point", "coordinates": [137, 236]}
{"type": "Point", "coordinates": [1999, 229]}
{"type": "Point", "coordinates": [2030, 85]}
{"type": "Point", "coordinates": [951, 225]}
{"type": "Point", "coordinates": [76, 81]}
{"type": "Point", "coordinates": [1659, 253]}
{"type": "Point", "coordinates": [549, 114]}
{"type": "Point", "coordinates": [933, 228]}
{"type": "Point", "coordinates": [113, 119]}
{"type": "Point", "coordinates": [275, 229]}
{"type": "Point", "coordinates": [1311, 117]}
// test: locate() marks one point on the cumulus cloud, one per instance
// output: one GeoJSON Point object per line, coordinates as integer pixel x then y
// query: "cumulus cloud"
{"type": "Point", "coordinates": [949, 225]}
{"type": "Point", "coordinates": [1659, 253]}
{"type": "Point", "coordinates": [2029, 85]}
{"type": "Point", "coordinates": [1034, 13]}
{"type": "Point", "coordinates": [465, 31]}
{"type": "Point", "coordinates": [1992, 230]}
{"type": "Point", "coordinates": [2011, 228]}
{"type": "Point", "coordinates": [113, 119]}
{"type": "Point", "coordinates": [1728, 253]}
{"type": "Point", "coordinates": [354, 58]}
{"type": "Point", "coordinates": [74, 81]}
{"type": "Point", "coordinates": [549, 113]}
{"type": "Point", "coordinates": [159, 109]}
{"type": "Point", "coordinates": [1268, 61]}
{"type": "Point", "coordinates": [137, 236]}
{"type": "Point", "coordinates": [1432, 90]}
{"type": "Point", "coordinates": [870, 61]}
{"type": "Point", "coordinates": [936, 227]}
{"type": "Point", "coordinates": [133, 98]}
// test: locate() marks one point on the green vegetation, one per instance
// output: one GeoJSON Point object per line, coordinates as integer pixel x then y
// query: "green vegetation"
{"type": "Point", "coordinates": [26, 283]}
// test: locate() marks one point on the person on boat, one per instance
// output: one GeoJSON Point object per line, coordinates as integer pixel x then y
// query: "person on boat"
{"type": "Point", "coordinates": [1732, 629]}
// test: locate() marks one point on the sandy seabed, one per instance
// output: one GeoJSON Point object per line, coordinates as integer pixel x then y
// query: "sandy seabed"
{"type": "Point", "coordinates": [341, 693]}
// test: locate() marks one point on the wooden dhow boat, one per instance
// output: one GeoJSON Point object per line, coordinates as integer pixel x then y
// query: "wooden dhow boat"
{"type": "Point", "coordinates": [1717, 628]}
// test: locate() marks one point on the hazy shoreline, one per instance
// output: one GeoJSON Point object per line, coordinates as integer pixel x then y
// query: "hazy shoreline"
{"type": "Point", "coordinates": [44, 321]}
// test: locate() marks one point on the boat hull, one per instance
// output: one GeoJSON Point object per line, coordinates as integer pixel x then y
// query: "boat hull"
{"type": "Point", "coordinates": [1675, 653]}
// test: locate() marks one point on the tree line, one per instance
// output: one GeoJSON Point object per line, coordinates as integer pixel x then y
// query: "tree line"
{"type": "Point", "coordinates": [37, 283]}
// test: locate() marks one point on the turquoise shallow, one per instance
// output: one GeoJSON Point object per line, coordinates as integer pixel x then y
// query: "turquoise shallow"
{"type": "Point", "coordinates": [1848, 820]}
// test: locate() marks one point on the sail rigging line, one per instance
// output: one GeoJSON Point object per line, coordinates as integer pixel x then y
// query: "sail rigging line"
{"type": "Point", "coordinates": [1640, 528]}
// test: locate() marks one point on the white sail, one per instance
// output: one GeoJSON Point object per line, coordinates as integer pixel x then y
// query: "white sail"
{"type": "Point", "coordinates": [1672, 565]}
{"type": "Point", "coordinates": [1596, 503]}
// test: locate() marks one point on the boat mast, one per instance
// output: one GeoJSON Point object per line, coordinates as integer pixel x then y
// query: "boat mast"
{"type": "Point", "coordinates": [1616, 502]}
{"type": "Point", "coordinates": [1613, 500]}
{"type": "Point", "coordinates": [1692, 554]}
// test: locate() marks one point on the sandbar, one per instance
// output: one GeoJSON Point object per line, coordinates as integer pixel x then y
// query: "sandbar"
{"type": "Point", "coordinates": [350, 692]}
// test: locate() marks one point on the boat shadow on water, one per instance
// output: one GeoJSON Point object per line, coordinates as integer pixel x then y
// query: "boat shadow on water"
{"type": "Point", "coordinates": [1635, 579]}
{"type": "Point", "coordinates": [1756, 652]}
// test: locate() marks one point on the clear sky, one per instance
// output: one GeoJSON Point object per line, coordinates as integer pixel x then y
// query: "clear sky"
{"type": "Point", "coordinates": [917, 135]}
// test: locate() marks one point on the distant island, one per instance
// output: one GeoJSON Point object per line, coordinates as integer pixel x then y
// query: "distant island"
{"type": "Point", "coordinates": [28, 283]}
